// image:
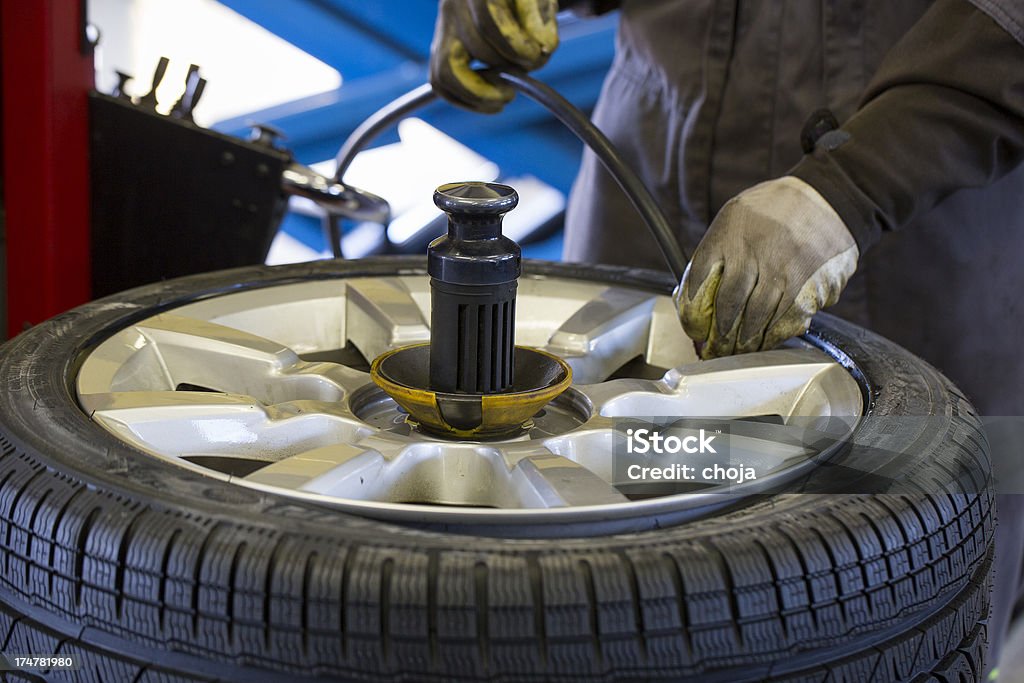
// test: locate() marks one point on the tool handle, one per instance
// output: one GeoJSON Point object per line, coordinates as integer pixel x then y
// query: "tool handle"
{"type": "Point", "coordinates": [149, 99]}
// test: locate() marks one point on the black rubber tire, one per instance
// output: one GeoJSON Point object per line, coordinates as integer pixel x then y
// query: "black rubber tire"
{"type": "Point", "coordinates": [150, 572]}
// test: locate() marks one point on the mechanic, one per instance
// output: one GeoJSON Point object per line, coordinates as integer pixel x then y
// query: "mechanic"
{"type": "Point", "coordinates": [729, 109]}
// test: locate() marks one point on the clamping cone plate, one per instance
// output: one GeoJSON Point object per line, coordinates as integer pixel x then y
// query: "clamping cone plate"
{"type": "Point", "coordinates": [404, 375]}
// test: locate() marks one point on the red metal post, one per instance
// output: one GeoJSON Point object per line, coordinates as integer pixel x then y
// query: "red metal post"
{"type": "Point", "coordinates": [46, 79]}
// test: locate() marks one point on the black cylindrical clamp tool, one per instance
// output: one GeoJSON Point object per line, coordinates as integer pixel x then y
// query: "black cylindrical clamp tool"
{"type": "Point", "coordinates": [462, 383]}
{"type": "Point", "coordinates": [473, 274]}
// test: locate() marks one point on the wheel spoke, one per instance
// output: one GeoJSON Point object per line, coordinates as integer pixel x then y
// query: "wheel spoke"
{"type": "Point", "coordinates": [185, 423]}
{"type": "Point", "coordinates": [337, 469]}
{"type": "Point", "coordinates": [605, 333]}
{"type": "Point", "coordinates": [382, 315]}
{"type": "Point", "coordinates": [196, 353]}
{"type": "Point", "coordinates": [385, 469]}
{"type": "Point", "coordinates": [325, 381]}
{"type": "Point", "coordinates": [549, 480]}
{"type": "Point", "coordinates": [784, 382]}
{"type": "Point", "coordinates": [305, 316]}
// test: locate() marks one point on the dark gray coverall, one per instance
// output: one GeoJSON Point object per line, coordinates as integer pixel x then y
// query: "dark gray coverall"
{"type": "Point", "coordinates": [706, 98]}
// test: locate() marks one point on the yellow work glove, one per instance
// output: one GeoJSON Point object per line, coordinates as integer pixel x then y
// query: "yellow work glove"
{"type": "Point", "coordinates": [774, 255]}
{"type": "Point", "coordinates": [499, 33]}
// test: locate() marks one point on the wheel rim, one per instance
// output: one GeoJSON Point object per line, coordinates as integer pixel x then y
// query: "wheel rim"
{"type": "Point", "coordinates": [268, 389]}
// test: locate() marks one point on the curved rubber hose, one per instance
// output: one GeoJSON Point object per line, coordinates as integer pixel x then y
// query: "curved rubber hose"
{"type": "Point", "coordinates": [572, 118]}
{"type": "Point", "coordinates": [380, 121]}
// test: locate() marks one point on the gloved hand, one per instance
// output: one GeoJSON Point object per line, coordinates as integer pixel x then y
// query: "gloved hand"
{"type": "Point", "coordinates": [499, 33]}
{"type": "Point", "coordinates": [774, 255]}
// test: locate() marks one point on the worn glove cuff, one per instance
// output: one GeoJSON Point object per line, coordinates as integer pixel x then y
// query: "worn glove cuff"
{"type": "Point", "coordinates": [823, 172]}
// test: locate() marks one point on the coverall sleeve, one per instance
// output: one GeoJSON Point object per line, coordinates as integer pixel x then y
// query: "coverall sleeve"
{"type": "Point", "coordinates": [945, 111]}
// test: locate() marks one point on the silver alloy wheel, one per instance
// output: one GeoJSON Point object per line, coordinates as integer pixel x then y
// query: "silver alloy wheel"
{"type": "Point", "coordinates": [267, 388]}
